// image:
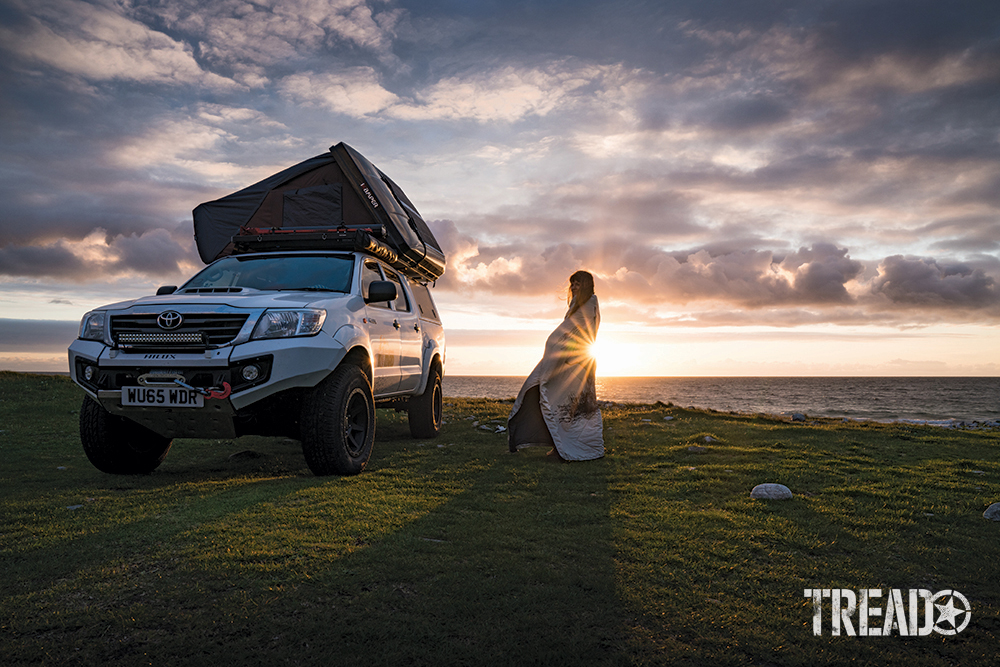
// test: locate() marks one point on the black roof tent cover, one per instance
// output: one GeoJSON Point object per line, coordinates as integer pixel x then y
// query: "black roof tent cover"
{"type": "Point", "coordinates": [319, 203]}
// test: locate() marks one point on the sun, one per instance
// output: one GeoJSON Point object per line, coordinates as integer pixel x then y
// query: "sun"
{"type": "Point", "coordinates": [614, 358]}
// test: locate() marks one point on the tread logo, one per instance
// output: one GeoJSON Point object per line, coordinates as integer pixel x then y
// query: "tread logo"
{"type": "Point", "coordinates": [916, 613]}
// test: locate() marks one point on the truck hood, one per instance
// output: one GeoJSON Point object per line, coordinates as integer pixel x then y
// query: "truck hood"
{"type": "Point", "coordinates": [247, 298]}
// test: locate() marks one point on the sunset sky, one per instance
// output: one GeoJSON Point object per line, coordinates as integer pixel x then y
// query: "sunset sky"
{"type": "Point", "coordinates": [760, 188]}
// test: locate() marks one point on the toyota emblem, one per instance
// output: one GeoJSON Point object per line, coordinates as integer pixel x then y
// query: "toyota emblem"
{"type": "Point", "coordinates": [169, 319]}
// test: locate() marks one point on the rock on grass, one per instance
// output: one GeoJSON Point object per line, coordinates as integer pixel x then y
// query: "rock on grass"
{"type": "Point", "coordinates": [771, 492]}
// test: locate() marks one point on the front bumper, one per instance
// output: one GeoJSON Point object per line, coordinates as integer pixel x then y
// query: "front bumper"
{"type": "Point", "coordinates": [281, 364]}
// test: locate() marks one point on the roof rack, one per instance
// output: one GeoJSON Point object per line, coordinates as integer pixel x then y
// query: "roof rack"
{"type": "Point", "coordinates": [362, 239]}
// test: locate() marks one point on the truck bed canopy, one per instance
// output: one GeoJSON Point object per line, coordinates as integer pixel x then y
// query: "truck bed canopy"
{"type": "Point", "coordinates": [338, 190]}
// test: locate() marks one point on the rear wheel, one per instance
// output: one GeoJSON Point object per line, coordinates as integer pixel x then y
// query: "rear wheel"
{"type": "Point", "coordinates": [425, 412]}
{"type": "Point", "coordinates": [338, 423]}
{"type": "Point", "coordinates": [117, 445]}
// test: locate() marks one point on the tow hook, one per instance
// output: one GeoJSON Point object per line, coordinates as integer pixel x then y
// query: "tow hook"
{"type": "Point", "coordinates": [212, 392]}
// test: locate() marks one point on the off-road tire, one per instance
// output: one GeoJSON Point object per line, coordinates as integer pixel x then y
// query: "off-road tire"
{"type": "Point", "coordinates": [338, 423]}
{"type": "Point", "coordinates": [117, 445]}
{"type": "Point", "coordinates": [425, 411]}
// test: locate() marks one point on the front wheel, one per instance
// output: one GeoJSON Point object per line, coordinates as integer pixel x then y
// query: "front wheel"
{"type": "Point", "coordinates": [425, 412]}
{"type": "Point", "coordinates": [117, 445]}
{"type": "Point", "coordinates": [338, 423]}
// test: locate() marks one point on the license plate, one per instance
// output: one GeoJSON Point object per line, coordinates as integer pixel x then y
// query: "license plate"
{"type": "Point", "coordinates": [162, 397]}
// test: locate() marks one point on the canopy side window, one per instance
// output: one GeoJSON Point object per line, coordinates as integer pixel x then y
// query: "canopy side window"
{"type": "Point", "coordinates": [422, 295]}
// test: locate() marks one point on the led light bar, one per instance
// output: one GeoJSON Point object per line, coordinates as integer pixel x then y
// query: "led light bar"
{"type": "Point", "coordinates": [193, 338]}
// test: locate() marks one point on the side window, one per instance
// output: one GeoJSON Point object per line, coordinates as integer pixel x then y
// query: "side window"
{"type": "Point", "coordinates": [401, 303]}
{"type": "Point", "coordinates": [369, 274]}
{"type": "Point", "coordinates": [422, 295]}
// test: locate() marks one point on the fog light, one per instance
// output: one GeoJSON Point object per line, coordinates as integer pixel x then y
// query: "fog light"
{"type": "Point", "coordinates": [88, 373]}
{"type": "Point", "coordinates": [251, 372]}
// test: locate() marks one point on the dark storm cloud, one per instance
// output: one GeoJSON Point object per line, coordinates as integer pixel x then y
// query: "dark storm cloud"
{"type": "Point", "coordinates": [153, 254]}
{"type": "Point", "coordinates": [55, 261]}
{"type": "Point", "coordinates": [921, 281]}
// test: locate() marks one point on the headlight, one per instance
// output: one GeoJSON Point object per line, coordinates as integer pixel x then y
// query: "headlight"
{"type": "Point", "coordinates": [92, 326]}
{"type": "Point", "coordinates": [287, 323]}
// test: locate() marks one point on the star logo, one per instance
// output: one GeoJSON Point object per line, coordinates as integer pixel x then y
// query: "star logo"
{"type": "Point", "coordinates": [948, 613]}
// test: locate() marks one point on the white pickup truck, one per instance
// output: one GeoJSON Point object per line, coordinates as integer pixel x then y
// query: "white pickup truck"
{"type": "Point", "coordinates": [314, 310]}
{"type": "Point", "coordinates": [304, 344]}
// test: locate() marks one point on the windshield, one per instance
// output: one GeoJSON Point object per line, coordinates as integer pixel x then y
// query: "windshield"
{"type": "Point", "coordinates": [286, 272]}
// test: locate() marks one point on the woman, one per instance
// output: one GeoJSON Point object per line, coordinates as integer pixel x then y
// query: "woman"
{"type": "Point", "coordinates": [557, 404]}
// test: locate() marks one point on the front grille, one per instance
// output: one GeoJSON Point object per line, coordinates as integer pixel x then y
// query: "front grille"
{"type": "Point", "coordinates": [197, 329]}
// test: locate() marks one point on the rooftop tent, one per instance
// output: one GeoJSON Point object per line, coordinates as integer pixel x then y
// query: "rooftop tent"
{"type": "Point", "coordinates": [337, 190]}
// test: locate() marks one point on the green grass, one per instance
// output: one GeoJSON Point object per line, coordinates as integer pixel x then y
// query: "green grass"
{"type": "Point", "coordinates": [454, 552]}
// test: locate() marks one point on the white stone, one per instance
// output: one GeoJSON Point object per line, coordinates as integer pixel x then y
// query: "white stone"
{"type": "Point", "coordinates": [992, 512]}
{"type": "Point", "coordinates": [771, 492]}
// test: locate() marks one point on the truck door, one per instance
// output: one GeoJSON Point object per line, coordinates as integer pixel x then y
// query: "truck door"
{"type": "Point", "coordinates": [382, 333]}
{"type": "Point", "coordinates": [410, 338]}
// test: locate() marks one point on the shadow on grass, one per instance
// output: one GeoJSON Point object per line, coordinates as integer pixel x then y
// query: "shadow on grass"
{"type": "Point", "coordinates": [517, 569]}
{"type": "Point", "coordinates": [459, 554]}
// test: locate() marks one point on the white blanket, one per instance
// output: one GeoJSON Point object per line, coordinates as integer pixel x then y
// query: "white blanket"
{"type": "Point", "coordinates": [557, 404]}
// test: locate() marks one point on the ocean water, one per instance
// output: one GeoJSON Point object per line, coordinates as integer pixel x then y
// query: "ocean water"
{"type": "Point", "coordinates": [876, 398]}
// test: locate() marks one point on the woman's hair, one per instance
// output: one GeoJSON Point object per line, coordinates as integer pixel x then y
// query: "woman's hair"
{"type": "Point", "coordinates": [586, 291]}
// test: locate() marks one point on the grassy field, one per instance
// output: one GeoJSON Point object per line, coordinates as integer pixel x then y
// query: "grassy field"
{"type": "Point", "coordinates": [454, 552]}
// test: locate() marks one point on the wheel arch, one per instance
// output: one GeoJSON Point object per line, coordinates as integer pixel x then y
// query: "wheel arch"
{"type": "Point", "coordinates": [361, 357]}
{"type": "Point", "coordinates": [355, 340]}
{"type": "Point", "coordinates": [432, 357]}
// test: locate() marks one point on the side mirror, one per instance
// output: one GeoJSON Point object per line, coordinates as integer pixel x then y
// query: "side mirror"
{"type": "Point", "coordinates": [381, 290]}
{"type": "Point", "coordinates": [166, 289]}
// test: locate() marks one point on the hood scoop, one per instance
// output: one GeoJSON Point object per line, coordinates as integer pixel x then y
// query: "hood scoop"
{"type": "Point", "coordinates": [212, 290]}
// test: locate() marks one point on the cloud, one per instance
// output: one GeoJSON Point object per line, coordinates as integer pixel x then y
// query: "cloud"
{"type": "Point", "coordinates": [154, 253]}
{"type": "Point", "coordinates": [353, 92]}
{"type": "Point", "coordinates": [748, 113]}
{"type": "Point", "coordinates": [787, 164]}
{"type": "Point", "coordinates": [101, 258]}
{"type": "Point", "coordinates": [99, 44]}
{"type": "Point", "coordinates": [822, 278]}
{"type": "Point", "coordinates": [922, 281]}
{"type": "Point", "coordinates": [52, 261]}
{"type": "Point", "coordinates": [252, 38]}
{"type": "Point", "coordinates": [857, 30]}
{"type": "Point", "coordinates": [504, 95]}
{"type": "Point", "coordinates": [146, 176]}
{"type": "Point", "coordinates": [204, 146]}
